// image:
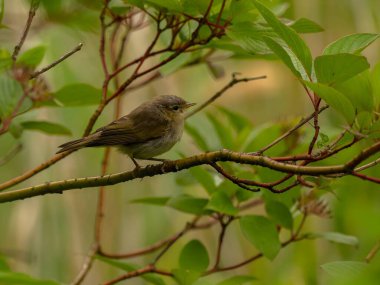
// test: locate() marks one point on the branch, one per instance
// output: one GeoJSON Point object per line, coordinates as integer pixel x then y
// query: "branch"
{"type": "Point", "coordinates": [233, 82]}
{"type": "Point", "coordinates": [87, 264]}
{"type": "Point", "coordinates": [296, 127]}
{"type": "Point", "coordinates": [6, 158]}
{"type": "Point", "coordinates": [37, 73]}
{"type": "Point", "coordinates": [178, 165]}
{"type": "Point", "coordinates": [32, 12]}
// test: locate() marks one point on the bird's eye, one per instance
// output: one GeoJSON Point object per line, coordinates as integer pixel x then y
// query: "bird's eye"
{"type": "Point", "coordinates": [175, 107]}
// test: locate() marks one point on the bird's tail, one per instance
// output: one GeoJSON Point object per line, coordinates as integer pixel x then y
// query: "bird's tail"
{"type": "Point", "coordinates": [73, 145]}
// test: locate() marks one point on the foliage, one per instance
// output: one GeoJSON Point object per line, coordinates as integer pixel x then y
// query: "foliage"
{"type": "Point", "coordinates": [269, 200]}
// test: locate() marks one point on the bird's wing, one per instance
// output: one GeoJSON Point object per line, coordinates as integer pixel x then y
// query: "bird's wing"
{"type": "Point", "coordinates": [130, 129]}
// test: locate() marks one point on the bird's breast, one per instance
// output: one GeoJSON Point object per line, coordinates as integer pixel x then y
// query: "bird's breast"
{"type": "Point", "coordinates": [157, 146]}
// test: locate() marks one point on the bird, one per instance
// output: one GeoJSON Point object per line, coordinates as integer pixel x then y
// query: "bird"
{"type": "Point", "coordinates": [151, 129]}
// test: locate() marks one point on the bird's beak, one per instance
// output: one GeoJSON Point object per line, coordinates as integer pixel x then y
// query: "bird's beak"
{"type": "Point", "coordinates": [188, 105]}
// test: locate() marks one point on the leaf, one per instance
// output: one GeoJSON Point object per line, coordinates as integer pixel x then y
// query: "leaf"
{"type": "Point", "coordinates": [173, 65]}
{"type": "Point", "coordinates": [335, 99]}
{"type": "Point", "coordinates": [337, 237]}
{"type": "Point", "coordinates": [237, 280]}
{"type": "Point", "coordinates": [291, 38]}
{"type": "Point", "coordinates": [5, 59]}
{"type": "Point", "coordinates": [78, 94]}
{"type": "Point", "coordinates": [10, 93]}
{"type": "Point", "coordinates": [1, 11]}
{"type": "Point", "coordinates": [238, 121]}
{"type": "Point", "coordinates": [188, 204]}
{"type": "Point", "coordinates": [194, 257]}
{"type": "Point", "coordinates": [250, 37]}
{"type": "Point", "coordinates": [358, 90]}
{"type": "Point", "coordinates": [158, 201]}
{"type": "Point", "coordinates": [345, 269]}
{"type": "Point", "coordinates": [4, 264]}
{"type": "Point", "coordinates": [304, 25]}
{"type": "Point", "coordinates": [375, 83]}
{"type": "Point", "coordinates": [204, 177]}
{"type": "Point", "coordinates": [354, 43]}
{"type": "Point", "coordinates": [197, 137]}
{"type": "Point", "coordinates": [128, 267]}
{"type": "Point", "coordinates": [283, 55]}
{"type": "Point", "coordinates": [32, 57]}
{"type": "Point", "coordinates": [46, 127]}
{"type": "Point", "coordinates": [279, 213]}
{"type": "Point", "coordinates": [17, 278]}
{"type": "Point", "coordinates": [262, 233]}
{"type": "Point", "coordinates": [224, 133]}
{"type": "Point", "coordinates": [171, 5]}
{"type": "Point", "coordinates": [185, 277]}
{"type": "Point", "coordinates": [220, 202]}
{"type": "Point", "coordinates": [331, 69]}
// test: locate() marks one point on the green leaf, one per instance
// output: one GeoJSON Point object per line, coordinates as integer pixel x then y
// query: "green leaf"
{"type": "Point", "coordinates": [279, 213]}
{"type": "Point", "coordinates": [220, 202]}
{"type": "Point", "coordinates": [337, 238]}
{"type": "Point", "coordinates": [344, 269]}
{"type": "Point", "coordinates": [32, 57]}
{"type": "Point", "coordinates": [375, 83]}
{"type": "Point", "coordinates": [284, 55]}
{"type": "Point", "coordinates": [331, 69]}
{"type": "Point", "coordinates": [238, 121]}
{"type": "Point", "coordinates": [250, 37]}
{"type": "Point", "coordinates": [16, 278]}
{"type": "Point", "coordinates": [194, 257]}
{"type": "Point", "coordinates": [354, 43]}
{"type": "Point", "coordinates": [224, 133]}
{"type": "Point", "coordinates": [364, 121]}
{"type": "Point", "coordinates": [262, 233]}
{"type": "Point", "coordinates": [46, 127]}
{"type": "Point", "coordinates": [4, 264]}
{"type": "Point", "coordinates": [158, 201]}
{"type": "Point", "coordinates": [291, 38]}
{"type": "Point", "coordinates": [204, 177]}
{"type": "Point", "coordinates": [171, 5]}
{"type": "Point", "coordinates": [375, 130]}
{"type": "Point", "coordinates": [197, 137]}
{"type": "Point", "coordinates": [78, 94]}
{"type": "Point", "coordinates": [128, 267]}
{"type": "Point", "coordinates": [5, 59]}
{"type": "Point", "coordinates": [185, 277]}
{"type": "Point", "coordinates": [237, 280]}
{"type": "Point", "coordinates": [335, 99]}
{"type": "Point", "coordinates": [10, 94]}
{"type": "Point", "coordinates": [188, 204]}
{"type": "Point", "coordinates": [180, 61]}
{"type": "Point", "coordinates": [1, 11]}
{"type": "Point", "coordinates": [304, 25]}
{"type": "Point", "coordinates": [358, 90]}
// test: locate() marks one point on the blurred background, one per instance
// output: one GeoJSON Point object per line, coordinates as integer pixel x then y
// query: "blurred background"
{"type": "Point", "coordinates": [49, 236]}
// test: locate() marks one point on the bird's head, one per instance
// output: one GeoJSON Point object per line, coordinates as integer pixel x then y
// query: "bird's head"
{"type": "Point", "coordinates": [171, 105]}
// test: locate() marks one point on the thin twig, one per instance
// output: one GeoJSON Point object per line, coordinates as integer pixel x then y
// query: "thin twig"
{"type": "Point", "coordinates": [368, 165]}
{"type": "Point", "coordinates": [62, 58]}
{"type": "Point", "coordinates": [32, 12]}
{"type": "Point", "coordinates": [372, 253]}
{"type": "Point", "coordinates": [86, 266]}
{"type": "Point", "coordinates": [230, 84]}
{"type": "Point", "coordinates": [11, 154]}
{"type": "Point", "coordinates": [288, 133]}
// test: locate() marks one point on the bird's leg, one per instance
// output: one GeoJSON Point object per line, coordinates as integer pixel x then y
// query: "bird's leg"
{"type": "Point", "coordinates": [135, 163]}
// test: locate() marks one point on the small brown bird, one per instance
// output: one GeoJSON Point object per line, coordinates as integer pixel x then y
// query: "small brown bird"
{"type": "Point", "coordinates": [151, 129]}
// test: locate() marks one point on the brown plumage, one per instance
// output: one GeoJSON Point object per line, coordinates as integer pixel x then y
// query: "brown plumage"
{"type": "Point", "coordinates": [149, 130]}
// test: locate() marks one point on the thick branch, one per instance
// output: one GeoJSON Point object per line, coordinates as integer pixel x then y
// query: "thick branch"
{"type": "Point", "coordinates": [175, 166]}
